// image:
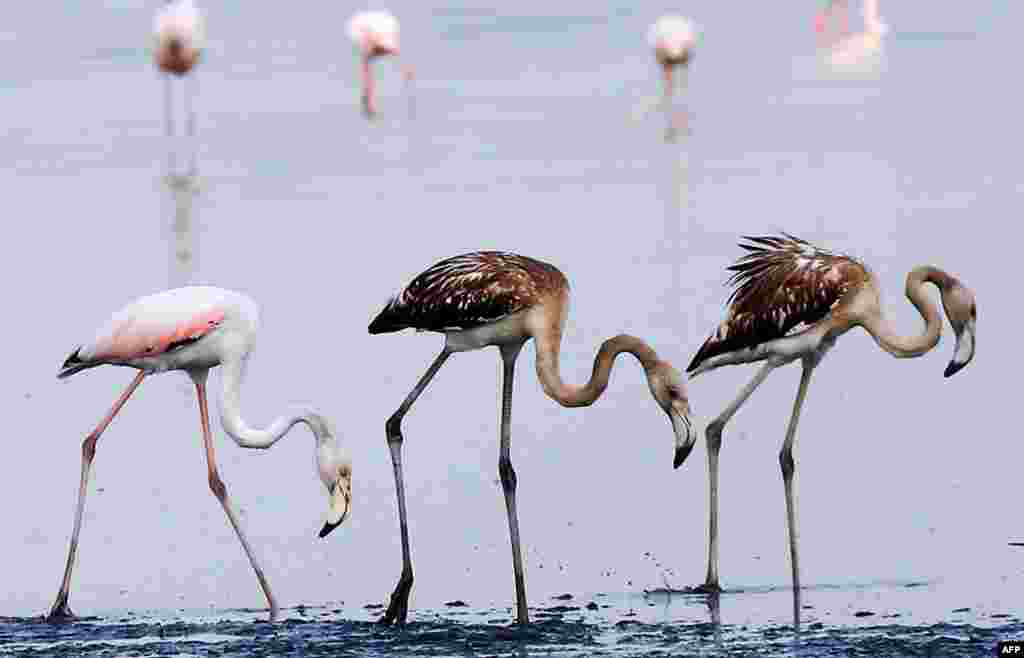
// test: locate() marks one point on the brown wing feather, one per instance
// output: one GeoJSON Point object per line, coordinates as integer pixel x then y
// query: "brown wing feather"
{"type": "Point", "coordinates": [467, 291]}
{"type": "Point", "coordinates": [782, 286]}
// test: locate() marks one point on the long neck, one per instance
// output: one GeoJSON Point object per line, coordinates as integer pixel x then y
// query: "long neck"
{"type": "Point", "coordinates": [232, 374]}
{"type": "Point", "coordinates": [569, 395]}
{"type": "Point", "coordinates": [909, 346]}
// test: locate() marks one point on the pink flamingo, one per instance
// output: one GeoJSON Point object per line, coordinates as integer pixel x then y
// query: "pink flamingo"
{"type": "Point", "coordinates": [375, 34]}
{"type": "Point", "coordinates": [497, 298]}
{"type": "Point", "coordinates": [673, 39]}
{"type": "Point", "coordinates": [850, 50]}
{"type": "Point", "coordinates": [195, 329]}
{"type": "Point", "coordinates": [791, 302]}
{"type": "Point", "coordinates": [179, 33]}
{"type": "Point", "coordinates": [823, 19]}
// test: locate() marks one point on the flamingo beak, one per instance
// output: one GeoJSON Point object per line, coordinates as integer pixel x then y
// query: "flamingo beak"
{"type": "Point", "coordinates": [340, 502]}
{"type": "Point", "coordinates": [964, 351]}
{"type": "Point", "coordinates": [685, 436]}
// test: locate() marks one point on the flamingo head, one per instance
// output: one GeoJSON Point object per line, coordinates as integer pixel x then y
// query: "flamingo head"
{"type": "Point", "coordinates": [669, 391]}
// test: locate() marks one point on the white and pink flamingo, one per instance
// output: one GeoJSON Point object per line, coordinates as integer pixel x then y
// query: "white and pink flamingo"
{"type": "Point", "coordinates": [179, 35]}
{"type": "Point", "coordinates": [375, 34]}
{"type": "Point", "coordinates": [673, 39]}
{"type": "Point", "coordinates": [195, 329]}
{"type": "Point", "coordinates": [847, 50]}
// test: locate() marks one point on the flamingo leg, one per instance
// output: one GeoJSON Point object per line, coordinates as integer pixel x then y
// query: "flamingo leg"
{"type": "Point", "coordinates": [190, 123]}
{"type": "Point", "coordinates": [714, 439]}
{"type": "Point", "coordinates": [788, 469]}
{"type": "Point", "coordinates": [408, 73]}
{"type": "Point", "coordinates": [398, 606]}
{"type": "Point", "coordinates": [60, 610]}
{"type": "Point", "coordinates": [221, 492]}
{"type": "Point", "coordinates": [509, 353]}
{"type": "Point", "coordinates": [368, 90]}
{"type": "Point", "coordinates": [169, 124]}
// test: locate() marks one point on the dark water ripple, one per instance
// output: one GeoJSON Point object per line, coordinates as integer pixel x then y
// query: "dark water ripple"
{"type": "Point", "coordinates": [552, 635]}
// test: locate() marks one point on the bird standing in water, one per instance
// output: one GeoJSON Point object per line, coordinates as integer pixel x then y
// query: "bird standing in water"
{"type": "Point", "coordinates": [497, 298]}
{"type": "Point", "coordinates": [791, 302]}
{"type": "Point", "coordinates": [179, 36]}
{"type": "Point", "coordinates": [375, 34]}
{"type": "Point", "coordinates": [673, 39]}
{"type": "Point", "coordinates": [195, 329]}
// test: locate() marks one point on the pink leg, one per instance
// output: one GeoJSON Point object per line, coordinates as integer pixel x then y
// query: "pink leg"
{"type": "Point", "coordinates": [221, 492]}
{"type": "Point", "coordinates": [369, 105]}
{"type": "Point", "coordinates": [60, 610]}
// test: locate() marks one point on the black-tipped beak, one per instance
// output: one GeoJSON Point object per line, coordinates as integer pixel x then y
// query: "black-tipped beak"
{"type": "Point", "coordinates": [682, 452]}
{"type": "Point", "coordinates": [953, 368]}
{"type": "Point", "coordinates": [685, 437]}
{"type": "Point", "coordinates": [326, 530]}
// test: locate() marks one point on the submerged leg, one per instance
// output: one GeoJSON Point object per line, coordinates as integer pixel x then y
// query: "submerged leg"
{"type": "Point", "coordinates": [509, 353]}
{"type": "Point", "coordinates": [714, 438]}
{"type": "Point", "coordinates": [398, 606]}
{"type": "Point", "coordinates": [60, 610]}
{"type": "Point", "coordinates": [190, 124]}
{"type": "Point", "coordinates": [221, 491]}
{"type": "Point", "coordinates": [788, 468]}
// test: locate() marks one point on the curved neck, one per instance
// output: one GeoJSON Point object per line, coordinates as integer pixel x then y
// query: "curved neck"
{"type": "Point", "coordinates": [909, 346]}
{"type": "Point", "coordinates": [569, 395]}
{"type": "Point", "coordinates": [232, 374]}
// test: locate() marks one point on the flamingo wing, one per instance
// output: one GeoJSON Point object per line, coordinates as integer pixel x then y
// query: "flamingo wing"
{"type": "Point", "coordinates": [468, 291]}
{"type": "Point", "coordinates": [150, 327]}
{"type": "Point", "coordinates": [783, 286]}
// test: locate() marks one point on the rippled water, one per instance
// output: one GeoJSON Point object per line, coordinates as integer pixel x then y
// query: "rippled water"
{"type": "Point", "coordinates": [892, 619]}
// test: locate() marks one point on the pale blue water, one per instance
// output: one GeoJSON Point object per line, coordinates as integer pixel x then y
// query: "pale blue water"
{"type": "Point", "coordinates": [525, 138]}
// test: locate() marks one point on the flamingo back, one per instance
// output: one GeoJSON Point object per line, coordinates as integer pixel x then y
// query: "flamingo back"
{"type": "Point", "coordinates": [783, 286]}
{"type": "Point", "coordinates": [469, 290]}
{"type": "Point", "coordinates": [379, 28]}
{"type": "Point", "coordinates": [180, 21]}
{"type": "Point", "coordinates": [157, 325]}
{"type": "Point", "coordinates": [673, 35]}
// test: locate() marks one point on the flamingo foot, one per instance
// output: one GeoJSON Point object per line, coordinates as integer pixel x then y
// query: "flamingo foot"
{"type": "Point", "coordinates": [60, 612]}
{"type": "Point", "coordinates": [398, 607]}
{"type": "Point", "coordinates": [706, 588]}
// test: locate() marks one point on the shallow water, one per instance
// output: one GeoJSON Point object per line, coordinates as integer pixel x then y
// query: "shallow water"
{"type": "Point", "coordinates": [890, 619]}
{"type": "Point", "coordinates": [527, 136]}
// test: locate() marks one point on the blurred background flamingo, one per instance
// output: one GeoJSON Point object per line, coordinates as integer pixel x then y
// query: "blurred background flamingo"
{"type": "Point", "coordinates": [375, 34]}
{"type": "Point", "coordinates": [179, 35]}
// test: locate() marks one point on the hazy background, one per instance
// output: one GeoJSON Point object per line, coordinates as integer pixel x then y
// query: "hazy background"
{"type": "Point", "coordinates": [522, 141]}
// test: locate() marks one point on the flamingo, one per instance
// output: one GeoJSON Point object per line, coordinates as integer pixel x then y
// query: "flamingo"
{"type": "Point", "coordinates": [851, 50]}
{"type": "Point", "coordinates": [497, 298]}
{"type": "Point", "coordinates": [673, 39]}
{"type": "Point", "coordinates": [375, 34]}
{"type": "Point", "coordinates": [179, 35]}
{"type": "Point", "coordinates": [823, 18]}
{"type": "Point", "coordinates": [791, 302]}
{"type": "Point", "coordinates": [195, 329]}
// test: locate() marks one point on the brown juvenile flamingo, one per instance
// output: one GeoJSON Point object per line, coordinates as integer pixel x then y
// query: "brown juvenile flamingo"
{"type": "Point", "coordinates": [375, 34]}
{"type": "Point", "coordinates": [179, 34]}
{"type": "Point", "coordinates": [194, 329]}
{"type": "Point", "coordinates": [791, 302]}
{"type": "Point", "coordinates": [502, 299]}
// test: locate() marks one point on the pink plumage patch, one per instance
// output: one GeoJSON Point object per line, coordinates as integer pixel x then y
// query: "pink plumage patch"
{"type": "Point", "coordinates": [132, 341]}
